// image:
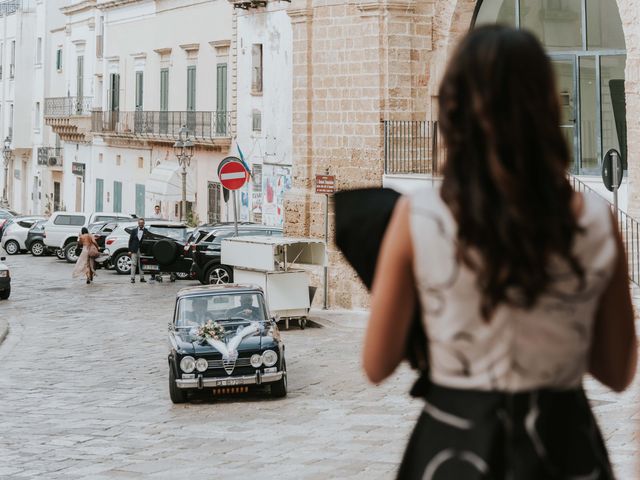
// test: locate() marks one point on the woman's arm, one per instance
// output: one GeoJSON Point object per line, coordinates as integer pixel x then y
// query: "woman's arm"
{"type": "Point", "coordinates": [392, 299]}
{"type": "Point", "coordinates": [614, 347]}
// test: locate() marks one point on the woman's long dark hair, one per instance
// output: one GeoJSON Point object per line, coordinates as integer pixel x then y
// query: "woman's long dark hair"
{"type": "Point", "coordinates": [505, 174]}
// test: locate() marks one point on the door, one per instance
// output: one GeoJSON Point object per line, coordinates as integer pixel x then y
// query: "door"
{"type": "Point", "coordinates": [117, 197]}
{"type": "Point", "coordinates": [79, 194]}
{"type": "Point", "coordinates": [213, 203]}
{"type": "Point", "coordinates": [139, 123]}
{"type": "Point", "coordinates": [566, 78]}
{"type": "Point", "coordinates": [99, 195]}
{"type": "Point", "coordinates": [80, 85]}
{"type": "Point", "coordinates": [56, 196]}
{"type": "Point", "coordinates": [191, 99]}
{"type": "Point", "coordinates": [140, 193]}
{"type": "Point", "coordinates": [221, 99]}
{"type": "Point", "coordinates": [114, 100]}
{"type": "Point", "coordinates": [164, 100]}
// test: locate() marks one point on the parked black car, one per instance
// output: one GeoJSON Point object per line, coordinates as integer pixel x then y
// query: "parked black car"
{"type": "Point", "coordinates": [35, 240]}
{"type": "Point", "coordinates": [205, 251]}
{"type": "Point", "coordinates": [5, 280]}
{"type": "Point", "coordinates": [163, 249]}
{"type": "Point", "coordinates": [248, 352]}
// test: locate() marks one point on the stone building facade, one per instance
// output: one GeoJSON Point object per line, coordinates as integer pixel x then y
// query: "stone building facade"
{"type": "Point", "coordinates": [359, 62]}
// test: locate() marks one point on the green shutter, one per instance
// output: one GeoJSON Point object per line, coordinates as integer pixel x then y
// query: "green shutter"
{"type": "Point", "coordinates": [221, 99]}
{"type": "Point", "coordinates": [115, 92]}
{"type": "Point", "coordinates": [191, 89]}
{"type": "Point", "coordinates": [117, 197]}
{"type": "Point", "coordinates": [140, 192]}
{"type": "Point", "coordinates": [139, 90]}
{"type": "Point", "coordinates": [59, 59]}
{"type": "Point", "coordinates": [99, 194]}
{"type": "Point", "coordinates": [164, 89]}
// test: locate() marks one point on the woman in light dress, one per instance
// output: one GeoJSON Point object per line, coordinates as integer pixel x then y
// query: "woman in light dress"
{"type": "Point", "coordinates": [86, 260]}
{"type": "Point", "coordinates": [521, 282]}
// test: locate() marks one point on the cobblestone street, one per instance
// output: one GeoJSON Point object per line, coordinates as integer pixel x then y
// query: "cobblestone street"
{"type": "Point", "coordinates": [83, 394]}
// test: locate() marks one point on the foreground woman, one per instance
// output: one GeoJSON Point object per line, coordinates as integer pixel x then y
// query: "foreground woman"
{"type": "Point", "coordinates": [522, 283]}
{"type": "Point", "coordinates": [86, 260]}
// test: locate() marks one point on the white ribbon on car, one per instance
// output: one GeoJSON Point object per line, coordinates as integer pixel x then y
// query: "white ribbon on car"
{"type": "Point", "coordinates": [229, 350]}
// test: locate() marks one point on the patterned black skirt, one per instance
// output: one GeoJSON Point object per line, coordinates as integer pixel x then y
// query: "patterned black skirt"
{"type": "Point", "coordinates": [539, 435]}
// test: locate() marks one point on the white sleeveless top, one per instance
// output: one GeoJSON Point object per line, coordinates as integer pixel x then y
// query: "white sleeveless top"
{"type": "Point", "coordinates": [546, 346]}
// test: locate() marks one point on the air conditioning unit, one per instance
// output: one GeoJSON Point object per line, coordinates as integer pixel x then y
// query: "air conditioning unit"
{"type": "Point", "coordinates": [54, 161]}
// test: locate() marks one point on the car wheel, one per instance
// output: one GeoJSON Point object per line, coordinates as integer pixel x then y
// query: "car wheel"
{"type": "Point", "coordinates": [12, 247]}
{"type": "Point", "coordinates": [60, 254]}
{"type": "Point", "coordinates": [37, 248]}
{"type": "Point", "coordinates": [218, 275]}
{"type": "Point", "coordinates": [122, 263]}
{"type": "Point", "coordinates": [177, 394]}
{"type": "Point", "coordinates": [165, 251]}
{"type": "Point", "coordinates": [70, 252]}
{"type": "Point", "coordinates": [279, 388]}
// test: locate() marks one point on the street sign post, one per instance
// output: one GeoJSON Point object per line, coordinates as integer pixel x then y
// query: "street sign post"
{"type": "Point", "coordinates": [612, 173]}
{"type": "Point", "coordinates": [326, 185]}
{"type": "Point", "coordinates": [233, 176]}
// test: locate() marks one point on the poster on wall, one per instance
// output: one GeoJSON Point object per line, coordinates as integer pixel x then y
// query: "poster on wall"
{"type": "Point", "coordinates": [256, 193]}
{"type": "Point", "coordinates": [276, 180]}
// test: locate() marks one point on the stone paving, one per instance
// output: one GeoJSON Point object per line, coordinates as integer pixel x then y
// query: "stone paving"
{"type": "Point", "coordinates": [83, 395]}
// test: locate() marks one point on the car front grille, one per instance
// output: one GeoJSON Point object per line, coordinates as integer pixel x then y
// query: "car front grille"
{"type": "Point", "coordinates": [241, 362]}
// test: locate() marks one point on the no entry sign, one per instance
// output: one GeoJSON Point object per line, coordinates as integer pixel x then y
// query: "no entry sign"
{"type": "Point", "coordinates": [233, 175]}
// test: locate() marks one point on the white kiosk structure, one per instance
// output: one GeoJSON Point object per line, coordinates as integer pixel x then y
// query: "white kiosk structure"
{"type": "Point", "coordinates": [273, 263]}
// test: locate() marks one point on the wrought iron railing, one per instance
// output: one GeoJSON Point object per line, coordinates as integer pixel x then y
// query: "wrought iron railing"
{"type": "Point", "coordinates": [9, 7]}
{"type": "Point", "coordinates": [160, 124]}
{"type": "Point", "coordinates": [50, 156]}
{"type": "Point", "coordinates": [411, 147]}
{"type": "Point", "coordinates": [67, 106]}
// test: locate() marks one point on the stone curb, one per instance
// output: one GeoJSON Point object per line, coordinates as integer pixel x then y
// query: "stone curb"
{"type": "Point", "coordinates": [4, 330]}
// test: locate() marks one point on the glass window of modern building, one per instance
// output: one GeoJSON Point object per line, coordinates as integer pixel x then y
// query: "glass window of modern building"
{"type": "Point", "coordinates": [585, 41]}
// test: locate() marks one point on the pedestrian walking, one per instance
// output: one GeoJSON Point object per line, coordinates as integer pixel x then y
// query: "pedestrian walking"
{"type": "Point", "coordinates": [85, 265]}
{"type": "Point", "coordinates": [521, 282]}
{"type": "Point", "coordinates": [135, 242]}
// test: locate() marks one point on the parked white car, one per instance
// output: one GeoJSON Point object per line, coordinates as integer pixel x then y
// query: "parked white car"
{"type": "Point", "coordinates": [15, 234]}
{"type": "Point", "coordinates": [62, 229]}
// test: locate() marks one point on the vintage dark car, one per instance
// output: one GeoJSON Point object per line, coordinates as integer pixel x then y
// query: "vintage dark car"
{"type": "Point", "coordinates": [222, 339]}
{"type": "Point", "coordinates": [5, 280]}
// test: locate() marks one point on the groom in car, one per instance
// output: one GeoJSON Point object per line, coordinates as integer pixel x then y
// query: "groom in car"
{"type": "Point", "coordinates": [135, 242]}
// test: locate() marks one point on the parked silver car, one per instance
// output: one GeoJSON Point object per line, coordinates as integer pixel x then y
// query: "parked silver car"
{"type": "Point", "coordinates": [15, 233]}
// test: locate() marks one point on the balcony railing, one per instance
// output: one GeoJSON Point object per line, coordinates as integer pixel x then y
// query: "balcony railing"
{"type": "Point", "coordinates": [67, 106]}
{"type": "Point", "coordinates": [158, 124]}
{"type": "Point", "coordinates": [411, 147]}
{"type": "Point", "coordinates": [50, 156]}
{"type": "Point", "coordinates": [9, 7]}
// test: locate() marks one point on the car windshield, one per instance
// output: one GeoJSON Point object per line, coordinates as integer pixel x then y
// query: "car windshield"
{"type": "Point", "coordinates": [179, 232]}
{"type": "Point", "coordinates": [223, 307]}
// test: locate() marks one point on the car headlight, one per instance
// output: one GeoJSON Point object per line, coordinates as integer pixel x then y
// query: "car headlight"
{"type": "Point", "coordinates": [201, 364]}
{"type": "Point", "coordinates": [187, 364]}
{"type": "Point", "coordinates": [256, 360]}
{"type": "Point", "coordinates": [269, 357]}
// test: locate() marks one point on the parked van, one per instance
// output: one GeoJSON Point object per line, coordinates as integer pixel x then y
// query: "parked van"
{"type": "Point", "coordinates": [62, 229]}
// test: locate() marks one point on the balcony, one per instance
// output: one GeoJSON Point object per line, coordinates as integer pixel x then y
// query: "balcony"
{"type": "Point", "coordinates": [206, 128]}
{"type": "Point", "coordinates": [67, 106]}
{"type": "Point", "coordinates": [50, 156]}
{"type": "Point", "coordinates": [69, 117]}
{"type": "Point", "coordinates": [9, 7]}
{"type": "Point", "coordinates": [411, 148]}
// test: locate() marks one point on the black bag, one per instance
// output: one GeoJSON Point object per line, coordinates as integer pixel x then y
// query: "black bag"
{"type": "Point", "coordinates": [361, 219]}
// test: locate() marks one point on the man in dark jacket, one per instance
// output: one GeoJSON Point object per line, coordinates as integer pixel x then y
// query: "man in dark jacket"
{"type": "Point", "coordinates": [135, 242]}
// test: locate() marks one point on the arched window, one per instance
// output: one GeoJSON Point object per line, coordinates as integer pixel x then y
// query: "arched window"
{"type": "Point", "coordinates": [585, 41]}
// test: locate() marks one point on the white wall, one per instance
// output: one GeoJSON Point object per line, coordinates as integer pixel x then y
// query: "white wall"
{"type": "Point", "coordinates": [272, 146]}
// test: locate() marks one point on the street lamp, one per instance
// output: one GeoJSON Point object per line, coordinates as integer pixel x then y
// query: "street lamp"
{"type": "Point", "coordinates": [7, 154]}
{"type": "Point", "coordinates": [183, 149]}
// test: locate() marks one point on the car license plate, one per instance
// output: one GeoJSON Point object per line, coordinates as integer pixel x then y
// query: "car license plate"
{"type": "Point", "coordinates": [151, 267]}
{"type": "Point", "coordinates": [228, 382]}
